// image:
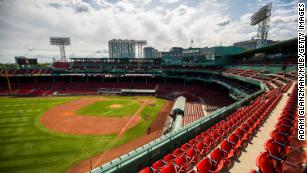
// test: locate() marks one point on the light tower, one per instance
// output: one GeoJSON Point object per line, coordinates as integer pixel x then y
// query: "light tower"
{"type": "Point", "coordinates": [61, 42]}
{"type": "Point", "coordinates": [262, 19]}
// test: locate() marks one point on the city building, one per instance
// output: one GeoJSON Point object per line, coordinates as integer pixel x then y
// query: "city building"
{"type": "Point", "coordinates": [119, 48]}
{"type": "Point", "coordinates": [149, 52]}
{"type": "Point", "coordinates": [157, 54]}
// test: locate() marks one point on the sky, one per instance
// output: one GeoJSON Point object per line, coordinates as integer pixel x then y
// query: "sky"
{"type": "Point", "coordinates": [26, 25]}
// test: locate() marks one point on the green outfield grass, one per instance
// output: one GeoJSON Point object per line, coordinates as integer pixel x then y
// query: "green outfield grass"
{"type": "Point", "coordinates": [27, 146]}
{"type": "Point", "coordinates": [128, 106]}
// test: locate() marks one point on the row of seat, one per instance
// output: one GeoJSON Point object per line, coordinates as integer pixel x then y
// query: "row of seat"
{"type": "Point", "coordinates": [223, 156]}
{"type": "Point", "coordinates": [269, 85]}
{"type": "Point", "coordinates": [286, 87]}
{"type": "Point", "coordinates": [185, 157]}
{"type": "Point", "coordinates": [192, 112]}
{"type": "Point", "coordinates": [284, 152]}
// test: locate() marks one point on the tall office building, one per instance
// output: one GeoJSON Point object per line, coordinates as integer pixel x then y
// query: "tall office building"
{"type": "Point", "coordinates": [119, 48]}
{"type": "Point", "coordinates": [149, 52]}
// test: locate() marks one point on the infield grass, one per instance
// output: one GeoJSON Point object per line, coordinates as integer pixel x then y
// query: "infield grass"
{"type": "Point", "coordinates": [26, 146]}
{"type": "Point", "coordinates": [111, 108]}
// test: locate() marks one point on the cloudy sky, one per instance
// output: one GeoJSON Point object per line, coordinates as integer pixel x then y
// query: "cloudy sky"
{"type": "Point", "coordinates": [26, 25]}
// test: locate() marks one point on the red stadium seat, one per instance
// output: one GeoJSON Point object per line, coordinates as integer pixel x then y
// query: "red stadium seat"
{"type": "Point", "coordinates": [192, 154]}
{"type": "Point", "coordinates": [217, 156]}
{"type": "Point", "coordinates": [192, 142]}
{"type": "Point", "coordinates": [201, 148]}
{"type": "Point", "coordinates": [185, 146]}
{"type": "Point", "coordinates": [205, 166]}
{"type": "Point", "coordinates": [226, 147]}
{"type": "Point", "coordinates": [146, 170]}
{"type": "Point", "coordinates": [177, 152]}
{"type": "Point", "coordinates": [266, 164]}
{"type": "Point", "coordinates": [158, 164]}
{"type": "Point", "coordinates": [281, 139]}
{"type": "Point", "coordinates": [207, 141]}
{"type": "Point", "coordinates": [182, 162]}
{"type": "Point", "coordinates": [170, 168]}
{"type": "Point", "coordinates": [274, 149]}
{"type": "Point", "coordinates": [169, 158]}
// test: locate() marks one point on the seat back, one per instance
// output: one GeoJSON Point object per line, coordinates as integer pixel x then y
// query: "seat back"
{"type": "Point", "coordinates": [177, 151]}
{"type": "Point", "coordinates": [207, 141]}
{"type": "Point", "coordinates": [158, 164]}
{"type": "Point", "coordinates": [199, 146]}
{"type": "Point", "coordinates": [217, 155]}
{"type": "Point", "coordinates": [274, 149]}
{"type": "Point", "coordinates": [278, 137]}
{"type": "Point", "coordinates": [145, 170]}
{"type": "Point", "coordinates": [204, 166]}
{"type": "Point", "coordinates": [233, 138]}
{"type": "Point", "coordinates": [265, 163]}
{"type": "Point", "coordinates": [170, 168]}
{"type": "Point", "coordinates": [225, 145]}
{"type": "Point", "coordinates": [191, 153]}
{"type": "Point", "coordinates": [169, 158]}
{"type": "Point", "coordinates": [185, 146]}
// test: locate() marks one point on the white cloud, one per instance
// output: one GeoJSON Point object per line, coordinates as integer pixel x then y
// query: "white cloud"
{"type": "Point", "coordinates": [169, 1]}
{"type": "Point", "coordinates": [27, 26]}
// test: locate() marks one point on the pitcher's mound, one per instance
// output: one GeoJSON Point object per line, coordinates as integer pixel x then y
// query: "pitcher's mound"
{"type": "Point", "coordinates": [114, 106]}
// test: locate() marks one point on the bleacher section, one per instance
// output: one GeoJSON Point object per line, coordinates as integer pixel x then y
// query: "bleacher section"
{"type": "Point", "coordinates": [229, 134]}
{"type": "Point", "coordinates": [284, 152]}
{"type": "Point", "coordinates": [192, 112]}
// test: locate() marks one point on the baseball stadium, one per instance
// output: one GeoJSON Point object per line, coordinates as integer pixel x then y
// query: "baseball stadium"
{"type": "Point", "coordinates": [194, 110]}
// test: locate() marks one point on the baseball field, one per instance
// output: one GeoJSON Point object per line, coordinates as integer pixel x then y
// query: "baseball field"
{"type": "Point", "coordinates": [51, 134]}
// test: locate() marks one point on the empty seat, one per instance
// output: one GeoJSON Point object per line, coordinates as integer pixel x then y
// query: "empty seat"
{"type": "Point", "coordinates": [217, 156]}
{"type": "Point", "coordinates": [185, 146]}
{"type": "Point", "coordinates": [169, 158]}
{"type": "Point", "coordinates": [158, 164]}
{"type": "Point", "coordinates": [182, 162]}
{"type": "Point", "coordinates": [201, 148]}
{"type": "Point", "coordinates": [205, 166]}
{"type": "Point", "coordinates": [227, 148]}
{"type": "Point", "coordinates": [275, 149]}
{"type": "Point", "coordinates": [207, 141]}
{"type": "Point", "coordinates": [266, 164]}
{"type": "Point", "coordinates": [177, 152]}
{"type": "Point", "coordinates": [192, 154]}
{"type": "Point", "coordinates": [170, 168]}
{"type": "Point", "coordinates": [146, 170]}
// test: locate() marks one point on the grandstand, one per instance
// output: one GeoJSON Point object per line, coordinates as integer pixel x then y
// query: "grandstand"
{"type": "Point", "coordinates": [221, 110]}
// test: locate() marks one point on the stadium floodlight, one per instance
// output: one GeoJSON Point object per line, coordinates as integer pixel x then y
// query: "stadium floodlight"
{"type": "Point", "coordinates": [61, 42]}
{"type": "Point", "coordinates": [262, 19]}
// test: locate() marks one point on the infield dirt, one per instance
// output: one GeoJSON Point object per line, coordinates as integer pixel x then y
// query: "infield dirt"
{"type": "Point", "coordinates": [63, 119]}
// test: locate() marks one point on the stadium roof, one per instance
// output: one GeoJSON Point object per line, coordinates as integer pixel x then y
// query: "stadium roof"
{"type": "Point", "coordinates": [272, 48]}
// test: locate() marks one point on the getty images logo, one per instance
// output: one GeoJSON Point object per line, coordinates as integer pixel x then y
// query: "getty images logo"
{"type": "Point", "coordinates": [301, 70]}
